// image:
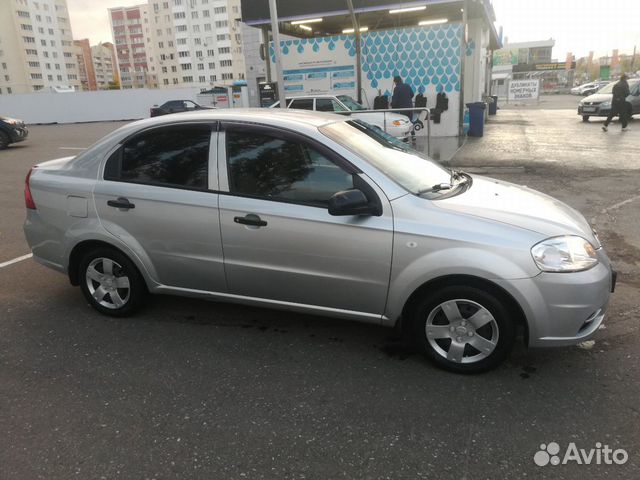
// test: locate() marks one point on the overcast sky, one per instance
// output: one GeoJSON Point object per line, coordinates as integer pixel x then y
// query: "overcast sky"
{"type": "Point", "coordinates": [577, 26]}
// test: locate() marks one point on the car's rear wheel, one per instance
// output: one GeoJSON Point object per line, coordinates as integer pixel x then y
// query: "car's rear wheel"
{"type": "Point", "coordinates": [585, 118]}
{"type": "Point", "coordinates": [463, 329]}
{"type": "Point", "coordinates": [4, 140]}
{"type": "Point", "coordinates": [111, 282]}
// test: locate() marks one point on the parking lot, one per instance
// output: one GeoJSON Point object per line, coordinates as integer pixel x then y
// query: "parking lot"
{"type": "Point", "coordinates": [195, 389]}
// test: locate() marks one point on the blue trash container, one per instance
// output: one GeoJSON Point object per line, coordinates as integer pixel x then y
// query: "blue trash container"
{"type": "Point", "coordinates": [493, 106]}
{"type": "Point", "coordinates": [476, 117]}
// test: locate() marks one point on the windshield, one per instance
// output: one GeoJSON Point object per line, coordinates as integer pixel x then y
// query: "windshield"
{"type": "Point", "coordinates": [609, 87]}
{"type": "Point", "coordinates": [409, 168]}
{"type": "Point", "coordinates": [350, 103]}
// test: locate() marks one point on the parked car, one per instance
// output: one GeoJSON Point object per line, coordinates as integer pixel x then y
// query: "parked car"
{"type": "Point", "coordinates": [12, 130]}
{"type": "Point", "coordinates": [393, 123]}
{"type": "Point", "coordinates": [321, 214]}
{"type": "Point", "coordinates": [176, 106]}
{"type": "Point", "coordinates": [588, 88]}
{"type": "Point", "coordinates": [591, 90]}
{"type": "Point", "coordinates": [599, 104]}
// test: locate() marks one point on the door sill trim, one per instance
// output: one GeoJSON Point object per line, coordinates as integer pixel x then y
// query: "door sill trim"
{"type": "Point", "coordinates": [277, 304]}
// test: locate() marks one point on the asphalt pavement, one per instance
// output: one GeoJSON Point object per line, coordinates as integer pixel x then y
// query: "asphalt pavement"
{"type": "Point", "coordinates": [189, 389]}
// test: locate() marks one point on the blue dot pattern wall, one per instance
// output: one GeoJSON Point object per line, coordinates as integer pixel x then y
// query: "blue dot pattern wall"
{"type": "Point", "coordinates": [422, 56]}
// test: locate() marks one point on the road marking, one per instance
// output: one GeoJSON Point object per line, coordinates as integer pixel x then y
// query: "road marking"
{"type": "Point", "coordinates": [73, 148]}
{"type": "Point", "coordinates": [621, 204]}
{"type": "Point", "coordinates": [16, 260]}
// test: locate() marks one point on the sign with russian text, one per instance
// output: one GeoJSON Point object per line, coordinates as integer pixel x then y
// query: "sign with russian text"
{"type": "Point", "coordinates": [524, 89]}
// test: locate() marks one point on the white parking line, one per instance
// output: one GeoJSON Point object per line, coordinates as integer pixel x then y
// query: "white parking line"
{"type": "Point", "coordinates": [73, 148]}
{"type": "Point", "coordinates": [16, 260]}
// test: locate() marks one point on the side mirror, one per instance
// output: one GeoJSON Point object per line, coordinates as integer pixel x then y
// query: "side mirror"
{"type": "Point", "coordinates": [350, 202]}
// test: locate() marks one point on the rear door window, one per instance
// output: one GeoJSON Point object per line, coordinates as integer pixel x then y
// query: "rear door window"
{"type": "Point", "coordinates": [175, 156]}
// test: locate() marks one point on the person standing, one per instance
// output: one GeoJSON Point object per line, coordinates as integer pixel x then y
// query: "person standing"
{"type": "Point", "coordinates": [619, 103]}
{"type": "Point", "coordinates": [402, 95]}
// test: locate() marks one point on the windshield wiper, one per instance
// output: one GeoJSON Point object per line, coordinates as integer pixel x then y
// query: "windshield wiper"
{"type": "Point", "coordinates": [436, 188]}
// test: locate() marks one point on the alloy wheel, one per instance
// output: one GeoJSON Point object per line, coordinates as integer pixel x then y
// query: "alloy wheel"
{"type": "Point", "coordinates": [107, 283]}
{"type": "Point", "coordinates": [462, 331]}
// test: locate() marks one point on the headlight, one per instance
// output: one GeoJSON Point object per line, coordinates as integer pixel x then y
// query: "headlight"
{"type": "Point", "coordinates": [605, 105]}
{"type": "Point", "coordinates": [564, 254]}
{"type": "Point", "coordinates": [11, 121]}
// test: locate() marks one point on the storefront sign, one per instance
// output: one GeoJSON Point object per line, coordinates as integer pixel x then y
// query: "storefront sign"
{"type": "Point", "coordinates": [541, 67]}
{"type": "Point", "coordinates": [524, 89]}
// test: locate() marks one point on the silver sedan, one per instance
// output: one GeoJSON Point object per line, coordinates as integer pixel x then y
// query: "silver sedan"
{"type": "Point", "coordinates": [320, 214]}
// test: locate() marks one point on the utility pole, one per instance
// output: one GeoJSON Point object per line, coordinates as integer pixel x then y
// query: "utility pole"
{"type": "Point", "coordinates": [356, 31]}
{"type": "Point", "coordinates": [273, 10]}
{"type": "Point", "coordinates": [633, 60]}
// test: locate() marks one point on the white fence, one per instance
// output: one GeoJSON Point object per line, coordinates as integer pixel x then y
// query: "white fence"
{"type": "Point", "coordinates": [49, 107]}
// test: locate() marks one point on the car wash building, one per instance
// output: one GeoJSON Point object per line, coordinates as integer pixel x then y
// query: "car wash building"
{"type": "Point", "coordinates": [441, 48]}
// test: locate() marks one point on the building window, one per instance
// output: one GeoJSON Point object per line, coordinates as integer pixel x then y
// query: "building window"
{"type": "Point", "coordinates": [219, 10]}
{"type": "Point", "coordinates": [224, 50]}
{"type": "Point", "coordinates": [182, 41]}
{"type": "Point", "coordinates": [212, 78]}
{"type": "Point", "coordinates": [165, 81]}
{"type": "Point", "coordinates": [205, 13]}
{"type": "Point", "coordinates": [179, 15]}
{"type": "Point", "coordinates": [183, 54]}
{"type": "Point", "coordinates": [181, 28]}
{"type": "Point", "coordinates": [225, 63]}
{"type": "Point", "coordinates": [30, 40]}
{"type": "Point", "coordinates": [222, 24]}
{"type": "Point", "coordinates": [185, 66]}
{"type": "Point", "coordinates": [212, 65]}
{"type": "Point", "coordinates": [187, 79]}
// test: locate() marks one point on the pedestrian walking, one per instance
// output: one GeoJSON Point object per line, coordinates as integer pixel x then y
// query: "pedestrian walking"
{"type": "Point", "coordinates": [619, 103]}
{"type": "Point", "coordinates": [402, 96]}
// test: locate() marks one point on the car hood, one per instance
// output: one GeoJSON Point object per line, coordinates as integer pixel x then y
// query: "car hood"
{"type": "Point", "coordinates": [599, 97]}
{"type": "Point", "coordinates": [521, 207]}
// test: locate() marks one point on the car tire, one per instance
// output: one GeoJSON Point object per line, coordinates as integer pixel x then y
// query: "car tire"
{"type": "Point", "coordinates": [4, 140]}
{"type": "Point", "coordinates": [463, 329]}
{"type": "Point", "coordinates": [585, 118]}
{"type": "Point", "coordinates": [111, 282]}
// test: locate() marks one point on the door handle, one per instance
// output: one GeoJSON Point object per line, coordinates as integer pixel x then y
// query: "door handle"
{"type": "Point", "coordinates": [250, 219]}
{"type": "Point", "coordinates": [122, 203]}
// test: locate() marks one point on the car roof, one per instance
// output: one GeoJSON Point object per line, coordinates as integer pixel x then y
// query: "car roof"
{"type": "Point", "coordinates": [303, 97]}
{"type": "Point", "coordinates": [288, 118]}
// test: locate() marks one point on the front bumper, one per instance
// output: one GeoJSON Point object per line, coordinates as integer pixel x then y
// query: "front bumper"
{"type": "Point", "coordinates": [564, 308]}
{"type": "Point", "coordinates": [594, 111]}
{"type": "Point", "coordinates": [18, 133]}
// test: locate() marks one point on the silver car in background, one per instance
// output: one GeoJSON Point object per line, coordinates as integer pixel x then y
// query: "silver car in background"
{"type": "Point", "coordinates": [599, 104]}
{"type": "Point", "coordinates": [319, 214]}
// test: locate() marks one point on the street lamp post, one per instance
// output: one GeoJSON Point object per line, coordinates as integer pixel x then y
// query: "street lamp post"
{"type": "Point", "coordinates": [278, 52]}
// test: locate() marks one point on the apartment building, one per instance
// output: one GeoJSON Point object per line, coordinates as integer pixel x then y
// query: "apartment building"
{"type": "Point", "coordinates": [103, 59]}
{"type": "Point", "coordinates": [131, 33]}
{"type": "Point", "coordinates": [36, 46]}
{"type": "Point", "coordinates": [85, 65]}
{"type": "Point", "coordinates": [196, 42]}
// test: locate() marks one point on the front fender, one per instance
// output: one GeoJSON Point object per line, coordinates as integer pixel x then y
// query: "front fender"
{"type": "Point", "coordinates": [453, 261]}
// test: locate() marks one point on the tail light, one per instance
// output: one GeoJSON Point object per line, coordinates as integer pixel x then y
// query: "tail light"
{"type": "Point", "coordinates": [28, 198]}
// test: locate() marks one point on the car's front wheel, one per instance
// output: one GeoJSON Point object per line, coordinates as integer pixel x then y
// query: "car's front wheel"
{"type": "Point", "coordinates": [111, 282]}
{"type": "Point", "coordinates": [463, 329]}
